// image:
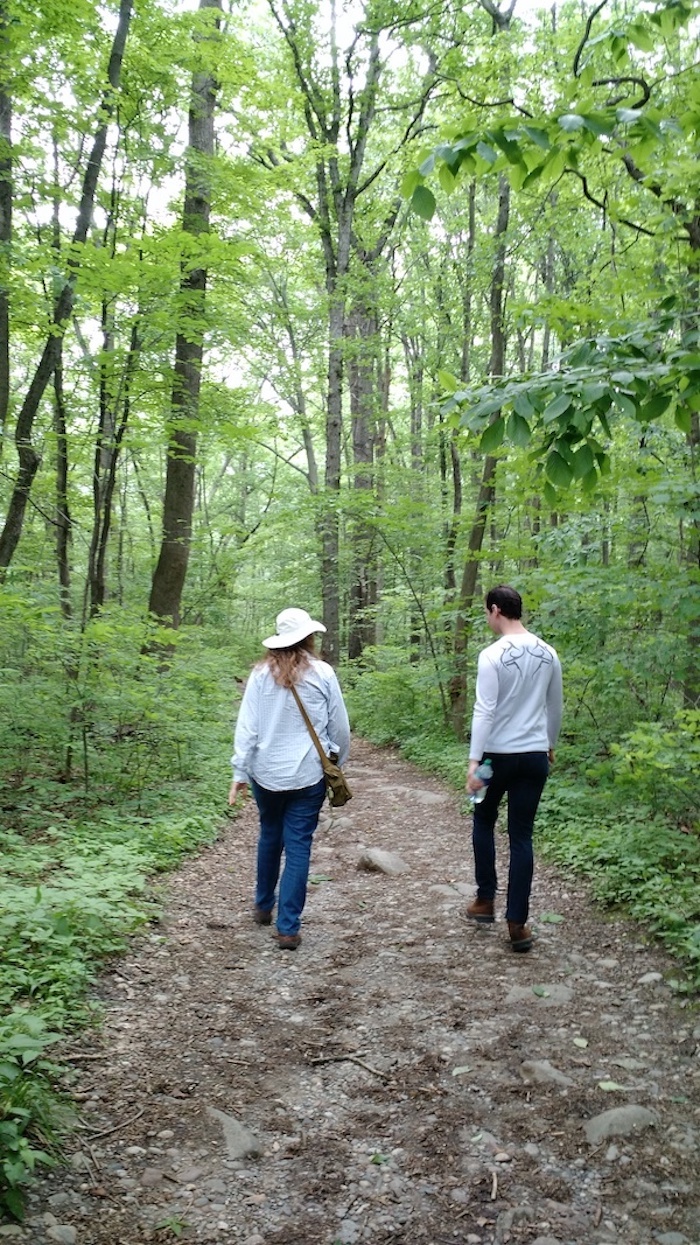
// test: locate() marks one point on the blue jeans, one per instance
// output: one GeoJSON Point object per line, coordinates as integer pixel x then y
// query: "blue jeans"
{"type": "Point", "coordinates": [288, 820]}
{"type": "Point", "coordinates": [522, 777]}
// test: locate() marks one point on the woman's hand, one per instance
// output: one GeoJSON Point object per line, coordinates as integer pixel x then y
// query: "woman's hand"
{"type": "Point", "coordinates": [237, 788]}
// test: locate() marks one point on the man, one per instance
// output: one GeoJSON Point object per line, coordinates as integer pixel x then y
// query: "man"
{"type": "Point", "coordinates": [516, 722]}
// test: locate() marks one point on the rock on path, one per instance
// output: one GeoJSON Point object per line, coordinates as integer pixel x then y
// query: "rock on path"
{"type": "Point", "coordinates": [402, 1077]}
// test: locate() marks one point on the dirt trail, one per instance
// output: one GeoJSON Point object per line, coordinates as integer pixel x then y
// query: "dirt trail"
{"type": "Point", "coordinates": [402, 1077]}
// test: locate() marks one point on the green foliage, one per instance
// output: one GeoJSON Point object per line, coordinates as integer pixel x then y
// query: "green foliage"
{"type": "Point", "coordinates": [634, 860]}
{"type": "Point", "coordinates": [174, 1225]}
{"type": "Point", "coordinates": [647, 375]}
{"type": "Point", "coordinates": [658, 764]}
{"type": "Point", "coordinates": [392, 700]}
{"type": "Point", "coordinates": [112, 770]}
{"type": "Point", "coordinates": [31, 1113]}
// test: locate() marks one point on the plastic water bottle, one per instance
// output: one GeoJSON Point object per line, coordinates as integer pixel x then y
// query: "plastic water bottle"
{"type": "Point", "coordinates": [485, 773]}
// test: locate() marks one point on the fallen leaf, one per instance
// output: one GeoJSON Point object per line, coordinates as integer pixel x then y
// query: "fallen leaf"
{"type": "Point", "coordinates": [551, 918]}
{"type": "Point", "coordinates": [609, 1085]}
{"type": "Point", "coordinates": [315, 878]}
{"type": "Point", "coordinates": [582, 1042]}
{"type": "Point", "coordinates": [541, 991]}
{"type": "Point", "coordinates": [460, 1071]}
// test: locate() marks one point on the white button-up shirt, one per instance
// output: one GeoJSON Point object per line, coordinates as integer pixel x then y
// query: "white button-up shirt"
{"type": "Point", "coordinates": [272, 744]}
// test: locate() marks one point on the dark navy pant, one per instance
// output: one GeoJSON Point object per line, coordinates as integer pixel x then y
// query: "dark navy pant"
{"type": "Point", "coordinates": [521, 776]}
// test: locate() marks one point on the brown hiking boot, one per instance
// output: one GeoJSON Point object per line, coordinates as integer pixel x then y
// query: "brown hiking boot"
{"type": "Point", "coordinates": [481, 910]}
{"type": "Point", "coordinates": [287, 942]}
{"type": "Point", "coordinates": [261, 917]}
{"type": "Point", "coordinates": [520, 936]}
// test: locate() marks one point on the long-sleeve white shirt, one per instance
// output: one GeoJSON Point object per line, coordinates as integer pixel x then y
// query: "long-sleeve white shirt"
{"type": "Point", "coordinates": [519, 700]}
{"type": "Point", "coordinates": [272, 744]}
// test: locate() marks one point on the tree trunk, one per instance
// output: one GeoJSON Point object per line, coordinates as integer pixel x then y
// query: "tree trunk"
{"type": "Point", "coordinates": [63, 521]}
{"type": "Point", "coordinates": [466, 277]}
{"type": "Point", "coordinates": [487, 488]}
{"type": "Point", "coordinates": [178, 505]}
{"type": "Point", "coordinates": [28, 457]}
{"type": "Point", "coordinates": [339, 117]}
{"type": "Point", "coordinates": [363, 369]}
{"type": "Point", "coordinates": [5, 221]}
{"type": "Point", "coordinates": [110, 440]}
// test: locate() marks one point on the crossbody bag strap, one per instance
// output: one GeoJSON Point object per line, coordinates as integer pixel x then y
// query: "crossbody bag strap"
{"type": "Point", "coordinates": [309, 727]}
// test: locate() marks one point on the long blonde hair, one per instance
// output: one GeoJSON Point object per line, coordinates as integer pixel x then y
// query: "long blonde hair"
{"type": "Point", "coordinates": [287, 665]}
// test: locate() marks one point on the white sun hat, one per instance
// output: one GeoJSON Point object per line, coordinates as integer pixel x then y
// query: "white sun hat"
{"type": "Point", "coordinates": [292, 626]}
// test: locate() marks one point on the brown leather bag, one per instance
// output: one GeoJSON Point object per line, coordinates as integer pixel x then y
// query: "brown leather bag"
{"type": "Point", "coordinates": [337, 787]}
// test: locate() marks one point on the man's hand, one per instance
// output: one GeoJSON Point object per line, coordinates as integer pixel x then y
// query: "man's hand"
{"type": "Point", "coordinates": [550, 755]}
{"type": "Point", "coordinates": [473, 784]}
{"type": "Point", "coordinates": [237, 788]}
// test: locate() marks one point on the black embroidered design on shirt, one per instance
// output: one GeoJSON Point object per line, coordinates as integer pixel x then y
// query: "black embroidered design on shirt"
{"type": "Point", "coordinates": [514, 654]}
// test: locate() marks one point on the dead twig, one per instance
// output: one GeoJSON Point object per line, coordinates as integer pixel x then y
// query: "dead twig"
{"type": "Point", "coordinates": [77, 1056]}
{"type": "Point", "coordinates": [494, 1186]}
{"type": "Point", "coordinates": [350, 1059]}
{"type": "Point", "coordinates": [105, 1132]}
{"type": "Point", "coordinates": [93, 1156]}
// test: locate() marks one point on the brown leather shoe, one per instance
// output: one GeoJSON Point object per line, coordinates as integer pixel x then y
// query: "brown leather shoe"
{"type": "Point", "coordinates": [287, 942]}
{"type": "Point", "coordinates": [481, 910]}
{"type": "Point", "coordinates": [520, 936]}
{"type": "Point", "coordinates": [261, 917]}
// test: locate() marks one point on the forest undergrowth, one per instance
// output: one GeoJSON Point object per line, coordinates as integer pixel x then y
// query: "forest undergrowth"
{"type": "Point", "coordinates": [83, 851]}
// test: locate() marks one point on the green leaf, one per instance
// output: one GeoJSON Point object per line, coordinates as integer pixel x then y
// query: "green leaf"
{"type": "Point", "coordinates": [446, 179]}
{"type": "Point", "coordinates": [555, 165]}
{"type": "Point", "coordinates": [570, 122]}
{"type": "Point", "coordinates": [13, 1200]}
{"type": "Point", "coordinates": [510, 148]}
{"type": "Point", "coordinates": [551, 918]}
{"type": "Point", "coordinates": [533, 176]}
{"type": "Point", "coordinates": [584, 462]}
{"type": "Point", "coordinates": [461, 1071]}
{"type": "Point", "coordinates": [447, 381]}
{"type": "Point", "coordinates": [409, 183]}
{"type": "Point", "coordinates": [683, 419]}
{"type": "Point", "coordinates": [603, 417]}
{"type": "Point", "coordinates": [541, 991]}
{"type": "Point", "coordinates": [316, 878]}
{"type": "Point", "coordinates": [556, 407]}
{"type": "Point", "coordinates": [486, 152]}
{"type": "Point", "coordinates": [558, 470]}
{"type": "Point", "coordinates": [593, 391]}
{"type": "Point", "coordinates": [628, 115]}
{"type": "Point", "coordinates": [598, 123]}
{"type": "Point", "coordinates": [523, 406]}
{"type": "Point", "coordinates": [492, 436]}
{"type": "Point", "coordinates": [609, 1086]}
{"type": "Point", "coordinates": [655, 407]}
{"type": "Point", "coordinates": [423, 202]}
{"type": "Point", "coordinates": [582, 1042]}
{"type": "Point", "coordinates": [625, 405]}
{"type": "Point", "coordinates": [518, 429]}
{"type": "Point", "coordinates": [467, 142]}
{"type": "Point", "coordinates": [539, 137]}
{"type": "Point", "coordinates": [641, 37]}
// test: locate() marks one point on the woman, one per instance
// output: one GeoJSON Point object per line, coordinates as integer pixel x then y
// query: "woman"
{"type": "Point", "coordinates": [274, 752]}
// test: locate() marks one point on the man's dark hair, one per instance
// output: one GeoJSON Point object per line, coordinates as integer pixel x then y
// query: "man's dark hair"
{"type": "Point", "coordinates": [509, 602]}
